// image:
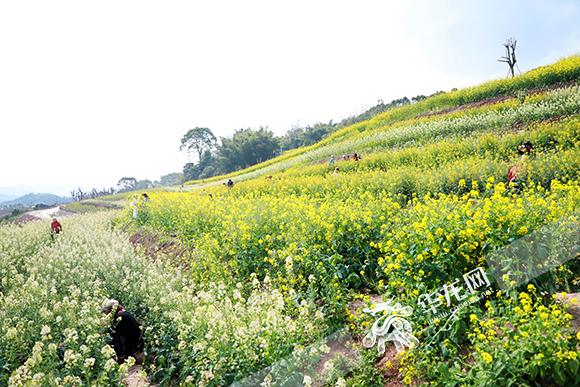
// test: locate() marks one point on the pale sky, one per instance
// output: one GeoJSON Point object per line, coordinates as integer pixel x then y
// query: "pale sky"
{"type": "Point", "coordinates": [93, 91]}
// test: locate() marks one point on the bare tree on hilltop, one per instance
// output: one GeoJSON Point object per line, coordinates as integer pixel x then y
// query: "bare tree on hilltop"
{"type": "Point", "coordinates": [510, 56]}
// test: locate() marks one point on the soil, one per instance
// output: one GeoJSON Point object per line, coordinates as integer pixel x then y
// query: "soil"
{"type": "Point", "coordinates": [572, 301]}
{"type": "Point", "coordinates": [395, 379]}
{"type": "Point", "coordinates": [155, 247]}
{"type": "Point", "coordinates": [356, 307]}
{"type": "Point", "coordinates": [392, 372]}
{"type": "Point", "coordinates": [341, 348]}
{"type": "Point", "coordinates": [45, 214]}
{"type": "Point", "coordinates": [136, 378]}
{"type": "Point", "coordinates": [470, 105]}
{"type": "Point", "coordinates": [104, 205]}
{"type": "Point", "coordinates": [497, 99]}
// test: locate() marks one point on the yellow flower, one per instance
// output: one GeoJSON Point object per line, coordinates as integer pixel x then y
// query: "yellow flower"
{"type": "Point", "coordinates": [487, 358]}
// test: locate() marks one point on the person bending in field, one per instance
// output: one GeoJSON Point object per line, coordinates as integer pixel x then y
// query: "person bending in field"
{"type": "Point", "coordinates": [230, 183]}
{"type": "Point", "coordinates": [331, 161]}
{"type": "Point", "coordinates": [523, 149]}
{"type": "Point", "coordinates": [135, 207]}
{"type": "Point", "coordinates": [55, 227]}
{"type": "Point", "coordinates": [126, 335]}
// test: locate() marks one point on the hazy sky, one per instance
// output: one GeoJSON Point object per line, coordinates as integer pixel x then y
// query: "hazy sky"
{"type": "Point", "coordinates": [92, 91]}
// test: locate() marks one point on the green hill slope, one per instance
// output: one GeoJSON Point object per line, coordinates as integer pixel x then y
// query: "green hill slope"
{"type": "Point", "coordinates": [255, 279]}
{"type": "Point", "coordinates": [464, 102]}
{"type": "Point", "coordinates": [429, 202]}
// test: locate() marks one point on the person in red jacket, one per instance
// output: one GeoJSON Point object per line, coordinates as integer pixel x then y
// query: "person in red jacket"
{"type": "Point", "coordinates": [523, 149]}
{"type": "Point", "coordinates": [55, 226]}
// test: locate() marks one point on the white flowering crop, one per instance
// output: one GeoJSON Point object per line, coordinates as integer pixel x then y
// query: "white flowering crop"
{"type": "Point", "coordinates": [52, 330]}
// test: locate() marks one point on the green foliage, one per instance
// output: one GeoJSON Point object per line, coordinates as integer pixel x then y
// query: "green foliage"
{"type": "Point", "coordinates": [198, 140]}
{"type": "Point", "coordinates": [298, 137]}
{"type": "Point", "coordinates": [171, 179]}
{"type": "Point", "coordinates": [246, 147]}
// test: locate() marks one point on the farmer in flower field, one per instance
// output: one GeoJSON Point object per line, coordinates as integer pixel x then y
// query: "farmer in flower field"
{"type": "Point", "coordinates": [126, 335]}
{"type": "Point", "coordinates": [230, 183]}
{"type": "Point", "coordinates": [55, 227]}
{"type": "Point", "coordinates": [135, 206]}
{"type": "Point", "coordinates": [331, 161]}
{"type": "Point", "coordinates": [523, 149]}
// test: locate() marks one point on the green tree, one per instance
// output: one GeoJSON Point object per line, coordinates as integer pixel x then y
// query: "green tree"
{"type": "Point", "coordinates": [246, 147]}
{"type": "Point", "coordinates": [297, 137]}
{"type": "Point", "coordinates": [126, 184]}
{"type": "Point", "coordinates": [143, 184]}
{"type": "Point", "coordinates": [171, 179]}
{"type": "Point", "coordinates": [198, 140]}
{"type": "Point", "coordinates": [204, 168]}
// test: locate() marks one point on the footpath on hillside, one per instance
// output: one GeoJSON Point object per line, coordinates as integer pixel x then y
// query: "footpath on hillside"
{"type": "Point", "coordinates": [44, 214]}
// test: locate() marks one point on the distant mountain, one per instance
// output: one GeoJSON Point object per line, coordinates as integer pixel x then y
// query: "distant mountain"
{"type": "Point", "coordinates": [5, 198]}
{"type": "Point", "coordinates": [32, 199]}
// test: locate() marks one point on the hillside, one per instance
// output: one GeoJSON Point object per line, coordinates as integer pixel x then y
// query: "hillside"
{"type": "Point", "coordinates": [310, 272]}
{"type": "Point", "coordinates": [367, 136]}
{"type": "Point", "coordinates": [32, 199]}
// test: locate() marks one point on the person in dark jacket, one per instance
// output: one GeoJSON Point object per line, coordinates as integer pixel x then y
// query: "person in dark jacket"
{"type": "Point", "coordinates": [126, 335]}
{"type": "Point", "coordinates": [525, 148]}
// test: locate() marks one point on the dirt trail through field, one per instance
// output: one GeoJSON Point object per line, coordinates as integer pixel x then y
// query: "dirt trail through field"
{"type": "Point", "coordinates": [137, 378]}
{"type": "Point", "coordinates": [44, 214]}
{"type": "Point", "coordinates": [47, 213]}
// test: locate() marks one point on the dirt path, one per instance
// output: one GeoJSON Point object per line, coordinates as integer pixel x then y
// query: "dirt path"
{"type": "Point", "coordinates": [136, 377]}
{"type": "Point", "coordinates": [45, 214]}
{"type": "Point", "coordinates": [572, 302]}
